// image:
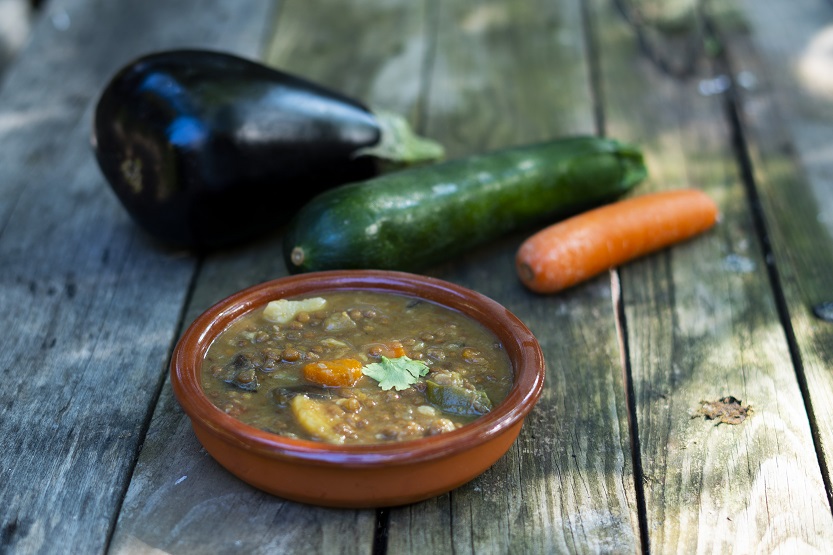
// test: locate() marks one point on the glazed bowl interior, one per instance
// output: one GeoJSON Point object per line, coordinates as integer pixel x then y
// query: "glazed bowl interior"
{"type": "Point", "coordinates": [317, 472]}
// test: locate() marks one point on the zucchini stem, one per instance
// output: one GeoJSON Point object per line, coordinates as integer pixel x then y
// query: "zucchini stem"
{"type": "Point", "coordinates": [297, 256]}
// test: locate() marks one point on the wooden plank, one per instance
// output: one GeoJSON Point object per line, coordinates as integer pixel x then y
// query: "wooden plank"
{"type": "Point", "coordinates": [496, 67]}
{"type": "Point", "coordinates": [787, 114]}
{"type": "Point", "coordinates": [502, 74]}
{"type": "Point", "coordinates": [375, 51]}
{"type": "Point", "coordinates": [180, 500]}
{"type": "Point", "coordinates": [702, 323]}
{"type": "Point", "coordinates": [93, 304]}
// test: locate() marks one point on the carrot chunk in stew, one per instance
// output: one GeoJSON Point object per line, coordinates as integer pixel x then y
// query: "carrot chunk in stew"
{"type": "Point", "coordinates": [343, 372]}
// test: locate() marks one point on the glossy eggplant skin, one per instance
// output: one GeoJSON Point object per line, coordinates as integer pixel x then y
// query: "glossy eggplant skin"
{"type": "Point", "coordinates": [206, 149]}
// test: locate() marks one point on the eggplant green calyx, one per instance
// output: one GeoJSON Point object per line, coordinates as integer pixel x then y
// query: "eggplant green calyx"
{"type": "Point", "coordinates": [399, 143]}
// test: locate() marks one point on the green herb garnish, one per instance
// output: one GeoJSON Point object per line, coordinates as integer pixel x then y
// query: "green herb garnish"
{"type": "Point", "coordinates": [398, 373]}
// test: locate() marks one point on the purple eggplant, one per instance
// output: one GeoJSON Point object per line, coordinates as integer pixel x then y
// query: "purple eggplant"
{"type": "Point", "coordinates": [205, 149]}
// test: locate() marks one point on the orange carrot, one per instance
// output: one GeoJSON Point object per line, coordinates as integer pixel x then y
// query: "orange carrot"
{"type": "Point", "coordinates": [585, 245]}
{"type": "Point", "coordinates": [391, 349]}
{"type": "Point", "coordinates": [342, 372]}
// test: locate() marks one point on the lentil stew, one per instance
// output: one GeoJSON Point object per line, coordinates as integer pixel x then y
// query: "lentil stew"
{"type": "Point", "coordinates": [356, 367]}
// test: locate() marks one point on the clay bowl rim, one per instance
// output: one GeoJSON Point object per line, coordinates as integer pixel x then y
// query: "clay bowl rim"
{"type": "Point", "coordinates": [520, 344]}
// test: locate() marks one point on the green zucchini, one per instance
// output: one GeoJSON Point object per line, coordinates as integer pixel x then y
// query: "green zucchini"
{"type": "Point", "coordinates": [412, 219]}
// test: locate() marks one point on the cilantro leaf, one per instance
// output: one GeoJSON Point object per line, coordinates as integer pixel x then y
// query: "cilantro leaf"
{"type": "Point", "coordinates": [398, 373]}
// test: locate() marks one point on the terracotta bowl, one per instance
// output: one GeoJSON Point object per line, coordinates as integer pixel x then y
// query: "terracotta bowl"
{"type": "Point", "coordinates": [379, 475]}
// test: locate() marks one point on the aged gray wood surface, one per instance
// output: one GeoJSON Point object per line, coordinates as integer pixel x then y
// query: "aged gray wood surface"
{"type": "Point", "coordinates": [92, 306]}
{"type": "Point", "coordinates": [96, 455]}
{"type": "Point", "coordinates": [703, 324]}
{"type": "Point", "coordinates": [787, 112]}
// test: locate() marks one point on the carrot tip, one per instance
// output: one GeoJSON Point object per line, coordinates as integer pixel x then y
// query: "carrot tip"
{"type": "Point", "coordinates": [525, 272]}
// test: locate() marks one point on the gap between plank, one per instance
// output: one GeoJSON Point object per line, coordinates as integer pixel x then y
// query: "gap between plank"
{"type": "Point", "coordinates": [380, 534]}
{"type": "Point", "coordinates": [594, 72]}
{"type": "Point", "coordinates": [593, 69]}
{"type": "Point", "coordinates": [432, 24]}
{"type": "Point", "coordinates": [630, 402]}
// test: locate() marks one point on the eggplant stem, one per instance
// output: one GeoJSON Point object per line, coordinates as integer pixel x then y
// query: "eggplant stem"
{"type": "Point", "coordinates": [399, 143]}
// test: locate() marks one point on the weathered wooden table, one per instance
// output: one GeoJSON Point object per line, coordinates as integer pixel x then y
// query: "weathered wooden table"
{"type": "Point", "coordinates": [735, 98]}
